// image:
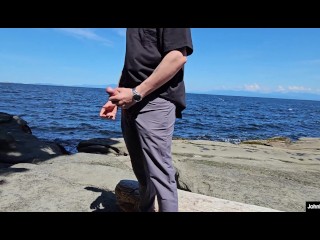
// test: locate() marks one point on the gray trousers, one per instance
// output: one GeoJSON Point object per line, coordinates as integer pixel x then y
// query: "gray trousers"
{"type": "Point", "coordinates": [148, 136]}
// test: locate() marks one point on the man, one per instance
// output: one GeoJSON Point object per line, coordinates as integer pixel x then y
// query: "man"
{"type": "Point", "coordinates": [151, 94]}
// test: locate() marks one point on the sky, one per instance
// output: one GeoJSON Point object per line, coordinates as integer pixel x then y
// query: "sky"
{"type": "Point", "coordinates": [265, 61]}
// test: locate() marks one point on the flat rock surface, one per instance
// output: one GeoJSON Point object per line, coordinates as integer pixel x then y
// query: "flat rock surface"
{"type": "Point", "coordinates": [221, 176]}
{"type": "Point", "coordinates": [127, 195]}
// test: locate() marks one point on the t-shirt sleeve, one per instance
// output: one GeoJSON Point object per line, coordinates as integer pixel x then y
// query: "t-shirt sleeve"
{"type": "Point", "coordinates": [176, 38]}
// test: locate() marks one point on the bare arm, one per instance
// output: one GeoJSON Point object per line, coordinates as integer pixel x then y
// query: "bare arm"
{"type": "Point", "coordinates": [165, 71]}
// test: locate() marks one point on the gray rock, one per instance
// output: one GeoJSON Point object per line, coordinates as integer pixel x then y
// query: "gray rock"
{"type": "Point", "coordinates": [81, 182]}
{"type": "Point", "coordinates": [17, 144]}
{"type": "Point", "coordinates": [86, 182]}
{"type": "Point", "coordinates": [281, 176]}
{"type": "Point", "coordinates": [102, 146]}
{"type": "Point", "coordinates": [4, 117]}
{"type": "Point", "coordinates": [128, 199]}
{"type": "Point", "coordinates": [127, 195]}
{"type": "Point", "coordinates": [6, 140]}
{"type": "Point", "coordinates": [239, 178]}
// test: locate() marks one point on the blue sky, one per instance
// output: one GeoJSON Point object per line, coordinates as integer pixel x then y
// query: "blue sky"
{"type": "Point", "coordinates": [252, 60]}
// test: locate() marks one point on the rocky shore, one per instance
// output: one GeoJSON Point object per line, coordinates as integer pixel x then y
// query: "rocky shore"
{"type": "Point", "coordinates": [268, 175]}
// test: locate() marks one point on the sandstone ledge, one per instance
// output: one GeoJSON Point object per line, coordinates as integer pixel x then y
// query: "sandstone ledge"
{"type": "Point", "coordinates": [127, 199]}
{"type": "Point", "coordinates": [221, 177]}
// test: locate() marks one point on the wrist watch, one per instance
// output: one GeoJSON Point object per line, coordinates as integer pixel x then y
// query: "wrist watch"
{"type": "Point", "coordinates": [136, 96]}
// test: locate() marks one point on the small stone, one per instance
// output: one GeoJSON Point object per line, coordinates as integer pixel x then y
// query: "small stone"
{"type": "Point", "coordinates": [127, 195]}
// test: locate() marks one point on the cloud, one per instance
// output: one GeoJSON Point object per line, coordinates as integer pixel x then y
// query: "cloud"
{"type": "Point", "coordinates": [85, 33]}
{"type": "Point", "coordinates": [281, 89]}
{"type": "Point", "coordinates": [257, 88]}
{"type": "Point", "coordinates": [252, 88]}
{"type": "Point", "coordinates": [297, 89]}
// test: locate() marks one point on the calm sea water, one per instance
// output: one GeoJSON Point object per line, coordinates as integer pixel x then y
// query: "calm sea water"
{"type": "Point", "coordinates": [68, 115]}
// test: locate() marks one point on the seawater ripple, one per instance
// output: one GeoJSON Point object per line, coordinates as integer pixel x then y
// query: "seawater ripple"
{"type": "Point", "coordinates": [70, 114]}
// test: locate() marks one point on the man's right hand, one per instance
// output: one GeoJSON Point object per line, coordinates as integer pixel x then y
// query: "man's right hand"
{"type": "Point", "coordinates": [109, 110]}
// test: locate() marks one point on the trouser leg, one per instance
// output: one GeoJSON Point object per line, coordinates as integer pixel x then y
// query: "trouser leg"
{"type": "Point", "coordinates": [132, 141]}
{"type": "Point", "coordinates": [148, 137]}
{"type": "Point", "coordinates": [155, 126]}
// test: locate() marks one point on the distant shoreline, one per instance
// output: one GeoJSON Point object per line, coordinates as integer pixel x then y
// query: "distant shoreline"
{"type": "Point", "coordinates": [231, 93]}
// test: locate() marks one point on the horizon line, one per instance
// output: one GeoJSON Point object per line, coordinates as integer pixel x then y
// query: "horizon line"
{"type": "Point", "coordinates": [232, 93]}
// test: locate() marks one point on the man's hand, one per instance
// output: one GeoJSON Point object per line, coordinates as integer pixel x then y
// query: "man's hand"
{"type": "Point", "coordinates": [122, 97]}
{"type": "Point", "coordinates": [109, 110]}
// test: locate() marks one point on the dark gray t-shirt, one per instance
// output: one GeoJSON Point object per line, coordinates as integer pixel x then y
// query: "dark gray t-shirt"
{"type": "Point", "coordinates": [145, 48]}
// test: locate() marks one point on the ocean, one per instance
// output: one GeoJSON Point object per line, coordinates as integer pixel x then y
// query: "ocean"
{"type": "Point", "coordinates": [67, 115]}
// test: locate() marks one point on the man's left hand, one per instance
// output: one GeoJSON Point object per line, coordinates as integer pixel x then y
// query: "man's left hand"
{"type": "Point", "coordinates": [122, 97]}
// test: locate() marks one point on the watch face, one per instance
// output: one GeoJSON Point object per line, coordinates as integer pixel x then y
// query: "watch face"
{"type": "Point", "coordinates": [137, 97]}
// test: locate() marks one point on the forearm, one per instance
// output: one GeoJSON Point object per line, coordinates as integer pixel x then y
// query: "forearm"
{"type": "Point", "coordinates": [165, 71]}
